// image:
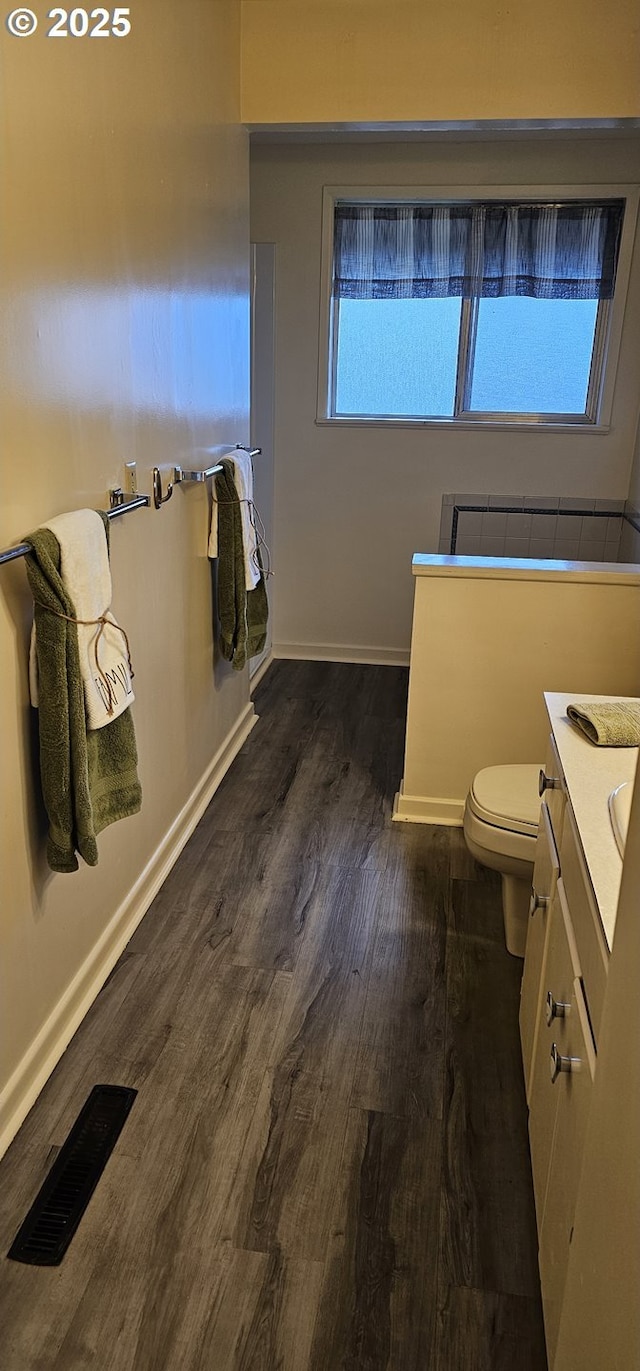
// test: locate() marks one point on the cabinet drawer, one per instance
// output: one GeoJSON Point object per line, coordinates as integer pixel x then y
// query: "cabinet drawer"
{"type": "Point", "coordinates": [594, 957]}
{"type": "Point", "coordinates": [555, 795]}
{"type": "Point", "coordinates": [545, 880]}
{"type": "Point", "coordinates": [560, 973]}
{"type": "Point", "coordinates": [574, 1097]}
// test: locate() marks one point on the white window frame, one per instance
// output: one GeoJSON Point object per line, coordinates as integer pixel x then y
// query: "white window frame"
{"type": "Point", "coordinates": [609, 320]}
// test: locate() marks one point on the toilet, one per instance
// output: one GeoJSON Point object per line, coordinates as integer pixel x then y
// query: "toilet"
{"type": "Point", "coordinates": [500, 827]}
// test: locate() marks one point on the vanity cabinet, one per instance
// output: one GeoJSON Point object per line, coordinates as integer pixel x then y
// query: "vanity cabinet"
{"type": "Point", "coordinates": [563, 986]}
{"type": "Point", "coordinates": [561, 1079]}
{"type": "Point", "coordinates": [545, 879]}
{"type": "Point", "coordinates": [555, 1013]}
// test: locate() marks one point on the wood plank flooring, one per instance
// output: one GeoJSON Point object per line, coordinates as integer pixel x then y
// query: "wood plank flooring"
{"type": "Point", "coordinates": [326, 1167]}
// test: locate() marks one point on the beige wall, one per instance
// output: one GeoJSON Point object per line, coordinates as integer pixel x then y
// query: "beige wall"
{"type": "Point", "coordinates": [630, 540]}
{"type": "Point", "coordinates": [634, 483]}
{"type": "Point", "coordinates": [359, 60]}
{"type": "Point", "coordinates": [354, 504]}
{"type": "Point", "coordinates": [486, 643]}
{"type": "Point", "coordinates": [125, 319]}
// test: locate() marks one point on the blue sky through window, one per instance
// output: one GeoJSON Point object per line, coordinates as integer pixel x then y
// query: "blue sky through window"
{"type": "Point", "coordinates": [399, 357]}
{"type": "Point", "coordinates": [533, 356]}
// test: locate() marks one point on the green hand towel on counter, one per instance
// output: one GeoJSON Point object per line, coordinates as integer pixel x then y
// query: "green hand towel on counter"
{"type": "Point", "coordinates": [89, 777]}
{"type": "Point", "coordinates": [243, 613]}
{"type": "Point", "coordinates": [614, 723]}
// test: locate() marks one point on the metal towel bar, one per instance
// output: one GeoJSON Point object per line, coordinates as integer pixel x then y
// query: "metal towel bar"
{"type": "Point", "coordinates": [160, 497]}
{"type": "Point", "coordinates": [119, 504]}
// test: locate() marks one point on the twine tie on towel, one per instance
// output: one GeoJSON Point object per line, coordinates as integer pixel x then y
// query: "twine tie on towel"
{"type": "Point", "coordinates": [261, 543]}
{"type": "Point", "coordinates": [88, 623]}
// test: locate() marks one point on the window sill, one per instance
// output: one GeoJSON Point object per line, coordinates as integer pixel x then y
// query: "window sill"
{"type": "Point", "coordinates": [453, 425]}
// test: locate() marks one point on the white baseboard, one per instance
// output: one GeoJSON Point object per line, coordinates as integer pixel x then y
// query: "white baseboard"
{"type": "Point", "coordinates": [36, 1066]}
{"type": "Point", "coordinates": [339, 652]}
{"type": "Point", "coordinates": [427, 809]}
{"type": "Point", "coordinates": [260, 671]}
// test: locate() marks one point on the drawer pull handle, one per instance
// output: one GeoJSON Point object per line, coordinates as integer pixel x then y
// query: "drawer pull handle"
{"type": "Point", "coordinates": [547, 783]}
{"type": "Point", "coordinates": [556, 1009]}
{"type": "Point", "coordinates": [537, 902]}
{"type": "Point", "coordinates": [558, 1063]}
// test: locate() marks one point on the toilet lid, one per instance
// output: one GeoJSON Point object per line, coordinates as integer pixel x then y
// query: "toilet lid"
{"type": "Point", "coordinates": [507, 797]}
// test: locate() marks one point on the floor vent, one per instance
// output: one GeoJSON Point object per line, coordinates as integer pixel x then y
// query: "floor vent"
{"type": "Point", "coordinates": [58, 1208]}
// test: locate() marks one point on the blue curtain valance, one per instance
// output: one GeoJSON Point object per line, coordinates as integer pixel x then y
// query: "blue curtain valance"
{"type": "Point", "coordinates": [547, 251]}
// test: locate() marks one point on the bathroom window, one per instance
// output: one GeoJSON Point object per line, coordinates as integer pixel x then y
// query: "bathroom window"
{"type": "Point", "coordinates": [482, 311]}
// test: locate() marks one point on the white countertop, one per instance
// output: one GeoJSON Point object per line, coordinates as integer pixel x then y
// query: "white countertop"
{"type": "Point", "coordinates": [591, 774]}
{"type": "Point", "coordinates": [524, 569]}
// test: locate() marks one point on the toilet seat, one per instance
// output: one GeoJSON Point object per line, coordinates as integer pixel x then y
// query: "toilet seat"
{"type": "Point", "coordinates": [507, 797]}
{"type": "Point", "coordinates": [502, 843]}
{"type": "Point", "coordinates": [500, 827]}
{"type": "Point", "coordinates": [501, 815]}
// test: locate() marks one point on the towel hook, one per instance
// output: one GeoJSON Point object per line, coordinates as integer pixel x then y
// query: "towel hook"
{"type": "Point", "coordinates": [158, 498]}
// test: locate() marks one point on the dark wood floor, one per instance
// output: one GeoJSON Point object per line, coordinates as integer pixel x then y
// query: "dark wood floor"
{"type": "Point", "coordinates": [326, 1167]}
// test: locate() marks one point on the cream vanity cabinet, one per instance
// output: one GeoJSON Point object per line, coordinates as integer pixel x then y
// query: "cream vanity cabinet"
{"type": "Point", "coordinates": [563, 987]}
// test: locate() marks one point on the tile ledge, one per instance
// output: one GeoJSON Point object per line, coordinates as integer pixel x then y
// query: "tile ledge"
{"type": "Point", "coordinates": [524, 568]}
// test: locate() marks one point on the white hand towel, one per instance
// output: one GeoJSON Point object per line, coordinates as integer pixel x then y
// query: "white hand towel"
{"type": "Point", "coordinates": [84, 569]}
{"type": "Point", "coordinates": [243, 481]}
{"type": "Point", "coordinates": [243, 476]}
{"type": "Point", "coordinates": [212, 545]}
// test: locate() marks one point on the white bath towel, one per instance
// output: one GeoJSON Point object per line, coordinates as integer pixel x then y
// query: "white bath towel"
{"type": "Point", "coordinates": [243, 481]}
{"type": "Point", "coordinates": [84, 569]}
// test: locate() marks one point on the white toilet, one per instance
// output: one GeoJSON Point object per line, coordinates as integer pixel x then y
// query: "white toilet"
{"type": "Point", "coordinates": [500, 827]}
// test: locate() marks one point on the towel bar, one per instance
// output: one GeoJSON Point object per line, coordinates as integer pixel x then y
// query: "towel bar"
{"type": "Point", "coordinates": [180, 476]}
{"type": "Point", "coordinates": [119, 504]}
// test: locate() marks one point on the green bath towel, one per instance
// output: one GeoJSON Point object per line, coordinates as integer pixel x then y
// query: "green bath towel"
{"type": "Point", "coordinates": [614, 723]}
{"type": "Point", "coordinates": [89, 778]}
{"type": "Point", "coordinates": [243, 613]}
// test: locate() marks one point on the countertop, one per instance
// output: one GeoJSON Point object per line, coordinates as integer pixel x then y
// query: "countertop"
{"type": "Point", "coordinates": [591, 774]}
{"type": "Point", "coordinates": [524, 569]}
